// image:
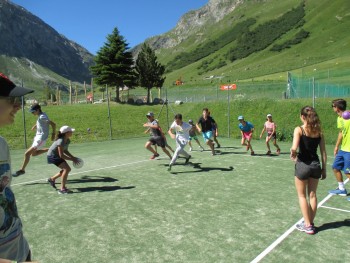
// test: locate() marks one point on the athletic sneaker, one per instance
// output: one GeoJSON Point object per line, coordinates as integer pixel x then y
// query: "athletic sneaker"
{"type": "Point", "coordinates": [268, 153]}
{"type": "Point", "coordinates": [64, 191]}
{"type": "Point", "coordinates": [202, 149]}
{"type": "Point", "coordinates": [187, 159]}
{"type": "Point", "coordinates": [190, 149]}
{"type": "Point", "coordinates": [51, 182]}
{"type": "Point", "coordinates": [252, 153]}
{"type": "Point", "coordinates": [154, 156]}
{"type": "Point", "coordinates": [308, 230]}
{"type": "Point", "coordinates": [218, 146]}
{"type": "Point", "coordinates": [18, 173]}
{"type": "Point", "coordinates": [338, 192]}
{"type": "Point", "coordinates": [169, 167]}
{"type": "Point", "coordinates": [278, 151]}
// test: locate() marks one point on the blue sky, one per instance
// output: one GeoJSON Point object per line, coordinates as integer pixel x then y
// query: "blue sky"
{"type": "Point", "coordinates": [89, 22]}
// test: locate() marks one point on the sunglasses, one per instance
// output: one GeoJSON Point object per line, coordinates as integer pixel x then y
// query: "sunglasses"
{"type": "Point", "coordinates": [12, 100]}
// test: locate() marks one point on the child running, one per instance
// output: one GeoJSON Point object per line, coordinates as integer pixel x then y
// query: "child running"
{"type": "Point", "coordinates": [206, 122]}
{"type": "Point", "coordinates": [156, 136]}
{"type": "Point", "coordinates": [308, 170]}
{"type": "Point", "coordinates": [163, 135]}
{"type": "Point", "coordinates": [58, 154]}
{"type": "Point", "coordinates": [270, 128]}
{"type": "Point", "coordinates": [182, 136]}
{"type": "Point", "coordinates": [193, 136]}
{"type": "Point", "coordinates": [247, 130]}
{"type": "Point", "coordinates": [215, 134]}
{"type": "Point", "coordinates": [42, 127]}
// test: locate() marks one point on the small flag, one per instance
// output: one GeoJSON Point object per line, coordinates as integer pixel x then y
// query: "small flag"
{"type": "Point", "coordinates": [228, 86]}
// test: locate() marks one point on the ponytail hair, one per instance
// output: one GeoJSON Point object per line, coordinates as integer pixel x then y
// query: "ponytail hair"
{"type": "Point", "coordinates": [59, 135]}
{"type": "Point", "coordinates": [313, 123]}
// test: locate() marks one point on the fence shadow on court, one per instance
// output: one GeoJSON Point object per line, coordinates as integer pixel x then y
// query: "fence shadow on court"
{"type": "Point", "coordinates": [332, 225]}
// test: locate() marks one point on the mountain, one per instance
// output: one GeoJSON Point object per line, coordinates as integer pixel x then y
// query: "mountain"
{"type": "Point", "coordinates": [26, 38]}
{"type": "Point", "coordinates": [246, 39]}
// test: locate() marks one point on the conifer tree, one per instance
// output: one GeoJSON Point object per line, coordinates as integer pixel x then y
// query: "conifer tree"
{"type": "Point", "coordinates": [149, 71]}
{"type": "Point", "coordinates": [114, 64]}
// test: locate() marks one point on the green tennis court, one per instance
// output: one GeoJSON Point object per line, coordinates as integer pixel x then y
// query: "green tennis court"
{"type": "Point", "coordinates": [226, 208]}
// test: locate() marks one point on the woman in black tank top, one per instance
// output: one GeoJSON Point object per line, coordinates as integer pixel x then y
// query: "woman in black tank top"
{"type": "Point", "coordinates": [308, 169]}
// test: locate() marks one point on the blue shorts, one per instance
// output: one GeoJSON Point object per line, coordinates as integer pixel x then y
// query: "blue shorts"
{"type": "Point", "coordinates": [207, 135]}
{"type": "Point", "coordinates": [342, 162]}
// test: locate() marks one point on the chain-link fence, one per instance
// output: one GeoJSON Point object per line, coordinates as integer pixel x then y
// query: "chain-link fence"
{"type": "Point", "coordinates": [317, 86]}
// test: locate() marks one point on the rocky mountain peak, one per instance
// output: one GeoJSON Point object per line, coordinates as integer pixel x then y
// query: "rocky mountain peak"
{"type": "Point", "coordinates": [25, 35]}
{"type": "Point", "coordinates": [193, 21]}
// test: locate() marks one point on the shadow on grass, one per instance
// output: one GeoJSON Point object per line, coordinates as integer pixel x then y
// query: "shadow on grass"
{"type": "Point", "coordinates": [203, 169]}
{"type": "Point", "coordinates": [101, 188]}
{"type": "Point", "coordinates": [91, 179]}
{"type": "Point", "coordinates": [332, 225]}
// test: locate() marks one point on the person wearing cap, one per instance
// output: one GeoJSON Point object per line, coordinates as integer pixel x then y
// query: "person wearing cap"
{"type": "Point", "coordinates": [42, 127]}
{"type": "Point", "coordinates": [58, 155]}
{"type": "Point", "coordinates": [163, 135]}
{"type": "Point", "coordinates": [13, 244]}
{"type": "Point", "coordinates": [270, 128]}
{"type": "Point", "coordinates": [193, 136]}
{"type": "Point", "coordinates": [156, 136]}
{"type": "Point", "coordinates": [247, 130]}
{"type": "Point", "coordinates": [206, 122]}
{"type": "Point", "coordinates": [181, 130]}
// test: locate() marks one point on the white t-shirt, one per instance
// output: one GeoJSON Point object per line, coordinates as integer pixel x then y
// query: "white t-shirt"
{"type": "Point", "coordinates": [13, 245]}
{"type": "Point", "coordinates": [182, 131]}
{"type": "Point", "coordinates": [43, 126]}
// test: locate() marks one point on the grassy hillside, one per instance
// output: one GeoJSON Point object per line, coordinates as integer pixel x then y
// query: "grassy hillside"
{"type": "Point", "coordinates": [34, 76]}
{"type": "Point", "coordinates": [327, 43]}
{"type": "Point", "coordinates": [92, 121]}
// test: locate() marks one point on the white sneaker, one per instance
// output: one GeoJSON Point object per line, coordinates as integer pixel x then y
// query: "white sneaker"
{"type": "Point", "coordinates": [190, 149]}
{"type": "Point", "coordinates": [202, 149]}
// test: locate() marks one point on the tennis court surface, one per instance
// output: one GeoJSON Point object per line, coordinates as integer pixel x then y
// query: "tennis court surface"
{"type": "Point", "coordinates": [124, 207]}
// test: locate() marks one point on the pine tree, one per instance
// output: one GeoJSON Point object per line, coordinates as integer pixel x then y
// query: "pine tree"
{"type": "Point", "coordinates": [148, 70]}
{"type": "Point", "coordinates": [114, 64]}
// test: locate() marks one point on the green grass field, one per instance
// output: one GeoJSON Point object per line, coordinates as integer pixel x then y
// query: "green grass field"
{"type": "Point", "coordinates": [224, 208]}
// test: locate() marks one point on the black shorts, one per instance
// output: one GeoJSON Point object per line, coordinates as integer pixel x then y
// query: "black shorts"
{"type": "Point", "coordinates": [273, 135]}
{"type": "Point", "coordinates": [160, 141]}
{"type": "Point", "coordinates": [305, 171]}
{"type": "Point", "coordinates": [55, 160]}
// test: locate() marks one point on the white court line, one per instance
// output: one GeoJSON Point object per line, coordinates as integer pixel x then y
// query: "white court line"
{"type": "Point", "coordinates": [87, 171]}
{"type": "Point", "coordinates": [287, 233]}
{"type": "Point", "coordinates": [333, 208]}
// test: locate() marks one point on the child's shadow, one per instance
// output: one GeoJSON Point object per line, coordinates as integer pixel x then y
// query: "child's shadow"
{"type": "Point", "coordinates": [332, 225]}
{"type": "Point", "coordinates": [204, 169]}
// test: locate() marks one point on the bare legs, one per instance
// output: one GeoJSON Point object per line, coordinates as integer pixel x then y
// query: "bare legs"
{"type": "Point", "coordinates": [308, 209]}
{"type": "Point", "coordinates": [65, 169]}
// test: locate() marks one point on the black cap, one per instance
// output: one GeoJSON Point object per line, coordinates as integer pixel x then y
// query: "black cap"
{"type": "Point", "coordinates": [34, 108]}
{"type": "Point", "coordinates": [9, 89]}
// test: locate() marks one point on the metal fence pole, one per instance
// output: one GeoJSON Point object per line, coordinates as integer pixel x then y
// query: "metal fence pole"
{"type": "Point", "coordinates": [24, 122]}
{"type": "Point", "coordinates": [109, 114]}
{"type": "Point", "coordinates": [313, 92]}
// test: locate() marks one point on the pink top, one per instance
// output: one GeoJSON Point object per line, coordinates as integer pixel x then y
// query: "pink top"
{"type": "Point", "coordinates": [269, 127]}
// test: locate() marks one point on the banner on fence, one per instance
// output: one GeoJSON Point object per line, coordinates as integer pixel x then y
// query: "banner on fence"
{"type": "Point", "coordinates": [228, 86]}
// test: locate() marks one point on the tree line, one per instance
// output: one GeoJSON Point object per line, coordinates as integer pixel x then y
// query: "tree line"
{"type": "Point", "coordinates": [115, 66]}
